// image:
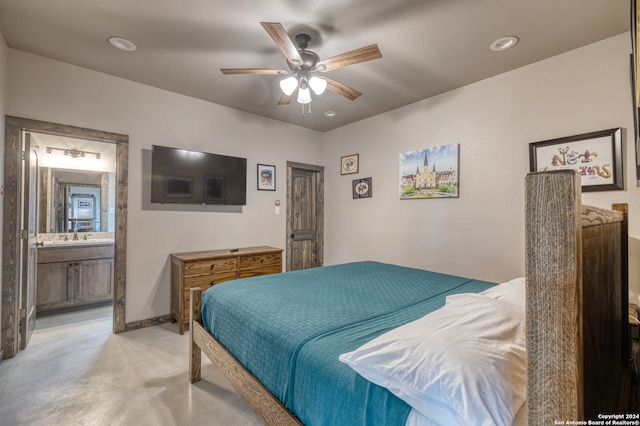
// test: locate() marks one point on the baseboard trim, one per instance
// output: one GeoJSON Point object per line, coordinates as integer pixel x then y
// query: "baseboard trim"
{"type": "Point", "coordinates": [55, 311]}
{"type": "Point", "coordinates": [130, 326]}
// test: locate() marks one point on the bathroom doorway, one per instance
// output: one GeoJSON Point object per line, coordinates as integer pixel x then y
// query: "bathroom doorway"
{"type": "Point", "coordinates": [14, 292]}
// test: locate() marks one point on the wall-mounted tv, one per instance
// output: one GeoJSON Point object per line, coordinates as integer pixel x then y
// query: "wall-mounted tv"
{"type": "Point", "coordinates": [181, 176]}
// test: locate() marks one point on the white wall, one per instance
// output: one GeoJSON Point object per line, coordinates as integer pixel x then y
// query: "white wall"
{"type": "Point", "coordinates": [481, 233]}
{"type": "Point", "coordinates": [47, 90]}
{"type": "Point", "coordinates": [4, 53]}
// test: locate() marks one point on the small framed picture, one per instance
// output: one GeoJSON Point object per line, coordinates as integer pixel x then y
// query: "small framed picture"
{"type": "Point", "coordinates": [349, 164]}
{"type": "Point", "coordinates": [266, 177]}
{"type": "Point", "coordinates": [362, 188]}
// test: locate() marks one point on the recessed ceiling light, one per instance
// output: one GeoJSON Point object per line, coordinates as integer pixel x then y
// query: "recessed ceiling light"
{"type": "Point", "coordinates": [504, 43]}
{"type": "Point", "coordinates": [122, 44]}
{"type": "Point", "coordinates": [330, 113]}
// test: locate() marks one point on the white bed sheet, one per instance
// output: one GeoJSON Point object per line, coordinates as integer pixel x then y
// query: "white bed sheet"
{"type": "Point", "coordinates": [412, 361]}
{"type": "Point", "coordinates": [512, 291]}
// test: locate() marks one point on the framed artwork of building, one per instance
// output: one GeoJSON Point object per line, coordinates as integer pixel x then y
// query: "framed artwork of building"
{"type": "Point", "coordinates": [430, 173]}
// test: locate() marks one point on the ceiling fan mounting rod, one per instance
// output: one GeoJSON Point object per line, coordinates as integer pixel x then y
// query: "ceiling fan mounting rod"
{"type": "Point", "coordinates": [303, 76]}
{"type": "Point", "coordinates": [302, 40]}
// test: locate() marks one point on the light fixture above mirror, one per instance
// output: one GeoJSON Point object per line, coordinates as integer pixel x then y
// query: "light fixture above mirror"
{"type": "Point", "coordinates": [73, 153]}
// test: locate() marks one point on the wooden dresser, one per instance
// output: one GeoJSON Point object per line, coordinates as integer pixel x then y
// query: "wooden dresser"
{"type": "Point", "coordinates": [206, 268]}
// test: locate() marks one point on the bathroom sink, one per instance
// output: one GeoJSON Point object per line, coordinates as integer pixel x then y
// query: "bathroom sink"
{"type": "Point", "coordinates": [76, 242]}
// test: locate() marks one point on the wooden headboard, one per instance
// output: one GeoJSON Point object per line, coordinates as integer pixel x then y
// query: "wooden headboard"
{"type": "Point", "coordinates": [577, 302]}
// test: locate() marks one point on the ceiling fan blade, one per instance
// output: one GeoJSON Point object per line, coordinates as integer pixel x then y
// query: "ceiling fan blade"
{"type": "Point", "coordinates": [229, 71]}
{"type": "Point", "coordinates": [286, 99]}
{"type": "Point", "coordinates": [357, 56]}
{"type": "Point", "coordinates": [283, 41]}
{"type": "Point", "coordinates": [342, 89]}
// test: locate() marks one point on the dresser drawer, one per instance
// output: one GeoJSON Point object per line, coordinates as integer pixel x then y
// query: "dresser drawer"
{"type": "Point", "coordinates": [211, 266]}
{"type": "Point", "coordinates": [257, 260]}
{"type": "Point", "coordinates": [266, 270]}
{"type": "Point", "coordinates": [205, 281]}
{"type": "Point", "coordinates": [203, 269]}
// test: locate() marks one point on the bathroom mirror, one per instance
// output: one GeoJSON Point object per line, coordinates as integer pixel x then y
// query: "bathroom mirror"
{"type": "Point", "coordinates": [76, 185]}
{"type": "Point", "coordinates": [75, 200]}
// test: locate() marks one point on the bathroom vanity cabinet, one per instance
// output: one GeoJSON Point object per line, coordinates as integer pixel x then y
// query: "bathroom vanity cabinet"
{"type": "Point", "coordinates": [74, 277]}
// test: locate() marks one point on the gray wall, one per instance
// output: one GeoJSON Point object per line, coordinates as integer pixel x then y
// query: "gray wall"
{"type": "Point", "coordinates": [480, 234]}
{"type": "Point", "coordinates": [48, 90]}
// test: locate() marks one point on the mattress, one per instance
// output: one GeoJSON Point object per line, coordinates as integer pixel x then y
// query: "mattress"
{"type": "Point", "coordinates": [289, 329]}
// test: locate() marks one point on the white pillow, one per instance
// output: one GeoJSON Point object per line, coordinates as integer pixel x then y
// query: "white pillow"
{"type": "Point", "coordinates": [463, 364]}
{"type": "Point", "coordinates": [513, 291]}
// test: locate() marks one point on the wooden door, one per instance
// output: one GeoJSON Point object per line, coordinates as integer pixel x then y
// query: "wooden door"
{"type": "Point", "coordinates": [29, 240]}
{"type": "Point", "coordinates": [305, 211]}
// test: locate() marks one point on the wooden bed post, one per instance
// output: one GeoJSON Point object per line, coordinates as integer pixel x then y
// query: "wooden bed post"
{"type": "Point", "coordinates": [577, 302]}
{"type": "Point", "coordinates": [626, 347]}
{"type": "Point", "coordinates": [266, 406]}
{"type": "Point", "coordinates": [195, 353]}
{"type": "Point", "coordinates": [554, 321]}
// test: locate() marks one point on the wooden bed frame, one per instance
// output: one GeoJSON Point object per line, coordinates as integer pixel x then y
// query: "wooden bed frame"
{"type": "Point", "coordinates": [577, 304]}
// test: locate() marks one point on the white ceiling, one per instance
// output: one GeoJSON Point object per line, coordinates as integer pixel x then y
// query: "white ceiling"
{"type": "Point", "coordinates": [428, 46]}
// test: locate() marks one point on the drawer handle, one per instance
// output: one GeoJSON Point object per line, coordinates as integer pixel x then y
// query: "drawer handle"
{"type": "Point", "coordinates": [261, 260]}
{"type": "Point", "coordinates": [211, 283]}
{"type": "Point", "coordinates": [212, 266]}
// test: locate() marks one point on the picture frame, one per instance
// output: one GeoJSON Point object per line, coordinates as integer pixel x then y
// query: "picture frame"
{"type": "Point", "coordinates": [361, 188]}
{"type": "Point", "coordinates": [597, 156]}
{"type": "Point", "coordinates": [266, 177]}
{"type": "Point", "coordinates": [635, 80]}
{"type": "Point", "coordinates": [349, 164]}
{"type": "Point", "coordinates": [429, 173]}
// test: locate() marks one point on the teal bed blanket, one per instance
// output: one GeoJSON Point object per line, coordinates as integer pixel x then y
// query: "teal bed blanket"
{"type": "Point", "coordinates": [289, 329]}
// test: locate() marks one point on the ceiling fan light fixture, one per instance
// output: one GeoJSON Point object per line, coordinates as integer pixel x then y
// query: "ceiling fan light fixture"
{"type": "Point", "coordinates": [288, 85]}
{"type": "Point", "coordinates": [304, 95]}
{"type": "Point", "coordinates": [318, 85]}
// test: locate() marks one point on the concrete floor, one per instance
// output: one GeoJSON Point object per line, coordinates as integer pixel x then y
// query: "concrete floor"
{"type": "Point", "coordinates": [76, 372]}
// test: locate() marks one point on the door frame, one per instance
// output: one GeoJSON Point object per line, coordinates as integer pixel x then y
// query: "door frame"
{"type": "Point", "coordinates": [29, 246]}
{"type": "Point", "coordinates": [319, 170]}
{"type": "Point", "coordinates": [12, 210]}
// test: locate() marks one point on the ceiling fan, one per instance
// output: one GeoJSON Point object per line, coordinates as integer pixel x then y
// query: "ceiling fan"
{"type": "Point", "coordinates": [304, 64]}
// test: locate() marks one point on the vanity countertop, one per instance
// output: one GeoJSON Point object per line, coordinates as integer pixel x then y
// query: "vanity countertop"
{"type": "Point", "coordinates": [75, 243]}
{"type": "Point", "coordinates": [61, 240]}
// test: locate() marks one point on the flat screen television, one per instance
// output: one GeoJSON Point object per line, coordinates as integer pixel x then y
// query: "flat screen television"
{"type": "Point", "coordinates": [190, 177]}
